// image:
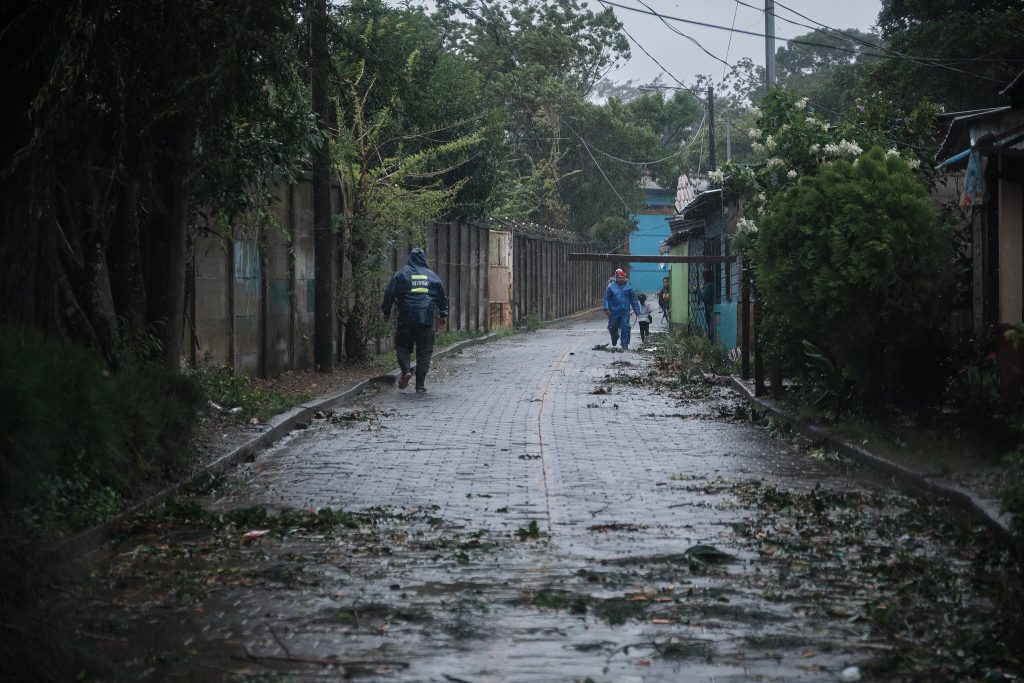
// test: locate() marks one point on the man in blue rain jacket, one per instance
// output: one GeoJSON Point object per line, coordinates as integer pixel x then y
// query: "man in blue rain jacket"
{"type": "Point", "coordinates": [619, 298]}
{"type": "Point", "coordinates": [419, 293]}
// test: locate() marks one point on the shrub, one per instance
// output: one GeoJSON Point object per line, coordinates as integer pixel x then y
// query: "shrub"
{"type": "Point", "coordinates": [689, 356]}
{"type": "Point", "coordinates": [76, 440]}
{"type": "Point", "coordinates": [240, 397]}
{"type": "Point", "coordinates": [1012, 493]}
{"type": "Point", "coordinates": [856, 261]}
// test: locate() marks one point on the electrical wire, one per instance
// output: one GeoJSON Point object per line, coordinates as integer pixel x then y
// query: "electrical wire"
{"type": "Point", "coordinates": [728, 48]}
{"type": "Point", "coordinates": [605, 3]}
{"type": "Point", "coordinates": [690, 38]}
{"type": "Point", "coordinates": [649, 162]}
{"type": "Point", "coordinates": [868, 43]}
{"type": "Point", "coordinates": [821, 28]}
{"type": "Point", "coordinates": [628, 210]}
{"type": "Point", "coordinates": [796, 41]}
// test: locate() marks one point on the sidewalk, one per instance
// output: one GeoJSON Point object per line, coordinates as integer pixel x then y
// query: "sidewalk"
{"type": "Point", "coordinates": [975, 491]}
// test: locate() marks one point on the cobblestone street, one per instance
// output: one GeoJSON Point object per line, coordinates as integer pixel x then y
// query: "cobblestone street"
{"type": "Point", "coordinates": [511, 525]}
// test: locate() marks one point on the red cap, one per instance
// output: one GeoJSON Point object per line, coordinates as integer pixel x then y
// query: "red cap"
{"type": "Point", "coordinates": [620, 272]}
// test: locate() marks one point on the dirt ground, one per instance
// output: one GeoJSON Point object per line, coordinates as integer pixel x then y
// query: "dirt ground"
{"type": "Point", "coordinates": [219, 432]}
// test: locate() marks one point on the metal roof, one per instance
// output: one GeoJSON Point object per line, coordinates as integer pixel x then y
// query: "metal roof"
{"type": "Point", "coordinates": [958, 136]}
{"type": "Point", "coordinates": [703, 203]}
{"type": "Point", "coordinates": [682, 230]}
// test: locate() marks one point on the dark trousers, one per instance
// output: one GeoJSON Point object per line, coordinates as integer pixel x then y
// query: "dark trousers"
{"type": "Point", "coordinates": [645, 328]}
{"type": "Point", "coordinates": [420, 337]}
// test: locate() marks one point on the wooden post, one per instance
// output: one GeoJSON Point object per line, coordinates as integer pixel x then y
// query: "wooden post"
{"type": "Point", "coordinates": [758, 351]}
{"type": "Point", "coordinates": [745, 332]}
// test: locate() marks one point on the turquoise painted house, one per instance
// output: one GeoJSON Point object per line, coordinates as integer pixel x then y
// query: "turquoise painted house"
{"type": "Point", "coordinates": [706, 226]}
{"type": "Point", "coordinates": [652, 229]}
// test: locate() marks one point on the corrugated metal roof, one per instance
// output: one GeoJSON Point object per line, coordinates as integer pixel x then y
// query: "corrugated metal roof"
{"type": "Point", "coordinates": [958, 137]}
{"type": "Point", "coordinates": [703, 203]}
{"type": "Point", "coordinates": [682, 230]}
{"type": "Point", "coordinates": [1015, 91]}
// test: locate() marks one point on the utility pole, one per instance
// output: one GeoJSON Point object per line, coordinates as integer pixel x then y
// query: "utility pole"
{"type": "Point", "coordinates": [728, 140]}
{"type": "Point", "coordinates": [323, 234]}
{"type": "Point", "coordinates": [769, 45]}
{"type": "Point", "coordinates": [712, 158]}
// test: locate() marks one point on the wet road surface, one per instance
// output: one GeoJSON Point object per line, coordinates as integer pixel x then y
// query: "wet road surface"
{"type": "Point", "coordinates": [513, 525]}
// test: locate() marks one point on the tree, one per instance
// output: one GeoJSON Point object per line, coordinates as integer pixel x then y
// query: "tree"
{"type": "Point", "coordinates": [958, 54]}
{"type": "Point", "coordinates": [828, 76]}
{"type": "Point", "coordinates": [123, 118]}
{"type": "Point", "coordinates": [324, 246]}
{"type": "Point", "coordinates": [412, 143]}
{"type": "Point", "coordinates": [855, 260]}
{"type": "Point", "coordinates": [538, 62]}
{"type": "Point", "coordinates": [796, 145]}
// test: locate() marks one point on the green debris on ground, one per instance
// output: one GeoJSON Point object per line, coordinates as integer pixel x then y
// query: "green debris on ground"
{"type": "Point", "coordinates": [954, 615]}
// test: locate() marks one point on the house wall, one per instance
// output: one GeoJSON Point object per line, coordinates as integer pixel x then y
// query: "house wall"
{"type": "Point", "coordinates": [727, 314]}
{"type": "Point", "coordinates": [1011, 285]}
{"type": "Point", "coordinates": [652, 229]}
{"type": "Point", "coordinates": [679, 316]}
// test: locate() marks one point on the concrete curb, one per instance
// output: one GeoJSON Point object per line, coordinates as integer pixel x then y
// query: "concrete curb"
{"type": "Point", "coordinates": [982, 510]}
{"type": "Point", "coordinates": [570, 318]}
{"type": "Point", "coordinates": [85, 544]}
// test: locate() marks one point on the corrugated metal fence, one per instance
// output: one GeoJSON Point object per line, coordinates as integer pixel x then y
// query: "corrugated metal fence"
{"type": "Point", "coordinates": [251, 294]}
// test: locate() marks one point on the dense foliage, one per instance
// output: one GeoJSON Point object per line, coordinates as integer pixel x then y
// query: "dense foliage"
{"type": "Point", "coordinates": [965, 51]}
{"type": "Point", "coordinates": [78, 441]}
{"type": "Point", "coordinates": [829, 71]}
{"type": "Point", "coordinates": [122, 119]}
{"type": "Point", "coordinates": [855, 260]}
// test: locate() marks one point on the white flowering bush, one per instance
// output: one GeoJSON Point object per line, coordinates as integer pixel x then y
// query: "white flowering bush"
{"type": "Point", "coordinates": [745, 226]}
{"type": "Point", "coordinates": [716, 177]}
{"type": "Point", "coordinates": [856, 260]}
{"type": "Point", "coordinates": [832, 233]}
{"type": "Point", "coordinates": [843, 148]}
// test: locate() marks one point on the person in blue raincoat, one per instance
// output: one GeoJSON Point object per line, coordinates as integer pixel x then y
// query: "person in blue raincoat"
{"type": "Point", "coordinates": [619, 299]}
{"type": "Point", "coordinates": [419, 294]}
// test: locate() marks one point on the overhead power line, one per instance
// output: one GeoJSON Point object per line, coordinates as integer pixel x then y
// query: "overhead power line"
{"type": "Point", "coordinates": [719, 26]}
{"type": "Point", "coordinates": [922, 61]}
{"type": "Point", "coordinates": [728, 48]}
{"type": "Point", "coordinates": [601, 170]}
{"type": "Point", "coordinates": [690, 38]}
{"type": "Point", "coordinates": [795, 41]}
{"type": "Point", "coordinates": [649, 162]}
{"type": "Point", "coordinates": [888, 50]}
{"type": "Point", "coordinates": [644, 49]}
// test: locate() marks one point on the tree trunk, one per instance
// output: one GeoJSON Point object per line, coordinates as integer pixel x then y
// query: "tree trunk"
{"type": "Point", "coordinates": [165, 290]}
{"type": "Point", "coordinates": [124, 261]}
{"type": "Point", "coordinates": [355, 325]}
{"type": "Point", "coordinates": [324, 316]}
{"type": "Point", "coordinates": [28, 252]}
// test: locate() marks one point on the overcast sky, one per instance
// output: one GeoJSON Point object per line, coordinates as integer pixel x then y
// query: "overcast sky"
{"type": "Point", "coordinates": [685, 60]}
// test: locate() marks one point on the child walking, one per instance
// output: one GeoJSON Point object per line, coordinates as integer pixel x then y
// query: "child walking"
{"type": "Point", "coordinates": [645, 317]}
